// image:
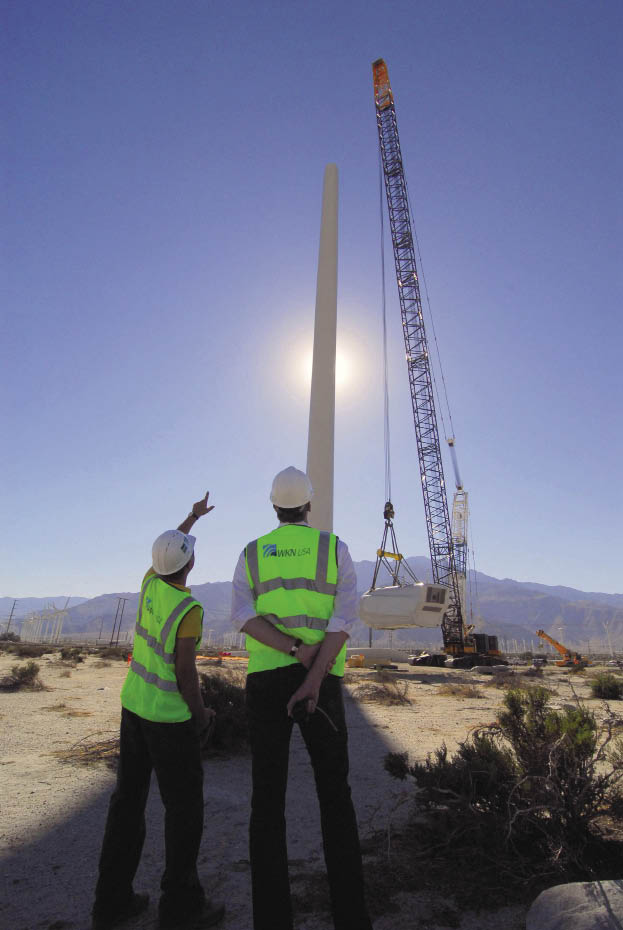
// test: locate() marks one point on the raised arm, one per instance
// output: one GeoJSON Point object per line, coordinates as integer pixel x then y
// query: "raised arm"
{"type": "Point", "coordinates": [198, 509]}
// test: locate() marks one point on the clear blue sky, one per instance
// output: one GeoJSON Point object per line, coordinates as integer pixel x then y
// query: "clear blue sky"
{"type": "Point", "coordinates": [164, 165]}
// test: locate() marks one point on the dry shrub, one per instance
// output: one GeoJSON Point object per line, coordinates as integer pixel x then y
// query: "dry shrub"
{"type": "Point", "coordinates": [55, 707]}
{"type": "Point", "coordinates": [452, 689]}
{"type": "Point", "coordinates": [223, 691]}
{"type": "Point", "coordinates": [25, 674]}
{"type": "Point", "coordinates": [382, 688]}
{"type": "Point", "coordinates": [72, 654]}
{"type": "Point", "coordinates": [607, 686]}
{"type": "Point", "coordinates": [115, 652]}
{"type": "Point", "coordinates": [65, 674]}
{"type": "Point", "coordinates": [23, 677]}
{"type": "Point", "coordinates": [88, 753]}
{"type": "Point", "coordinates": [518, 805]}
{"type": "Point", "coordinates": [28, 650]}
{"type": "Point", "coordinates": [507, 682]}
{"type": "Point", "coordinates": [532, 673]}
{"type": "Point", "coordinates": [102, 664]}
{"type": "Point", "coordinates": [501, 682]}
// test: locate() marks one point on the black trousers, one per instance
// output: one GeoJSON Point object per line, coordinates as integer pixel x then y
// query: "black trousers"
{"type": "Point", "coordinates": [172, 751]}
{"type": "Point", "coordinates": [270, 730]}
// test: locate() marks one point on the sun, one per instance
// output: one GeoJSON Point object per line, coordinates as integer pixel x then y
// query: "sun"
{"type": "Point", "coordinates": [344, 369]}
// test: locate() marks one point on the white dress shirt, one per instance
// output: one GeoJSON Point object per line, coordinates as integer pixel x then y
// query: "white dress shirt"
{"type": "Point", "coordinates": [345, 610]}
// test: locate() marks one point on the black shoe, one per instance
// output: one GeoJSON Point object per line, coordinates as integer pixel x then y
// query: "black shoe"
{"type": "Point", "coordinates": [209, 915]}
{"type": "Point", "coordinates": [135, 906]}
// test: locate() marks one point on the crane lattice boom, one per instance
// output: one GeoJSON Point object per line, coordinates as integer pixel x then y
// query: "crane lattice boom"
{"type": "Point", "coordinates": [416, 346]}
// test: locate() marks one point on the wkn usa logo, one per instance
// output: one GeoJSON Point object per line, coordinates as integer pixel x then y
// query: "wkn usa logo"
{"type": "Point", "coordinates": [271, 549]}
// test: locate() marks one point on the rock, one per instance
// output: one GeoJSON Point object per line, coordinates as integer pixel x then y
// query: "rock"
{"type": "Point", "coordinates": [578, 906]}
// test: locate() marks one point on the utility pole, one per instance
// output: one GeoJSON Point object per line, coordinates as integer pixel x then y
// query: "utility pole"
{"type": "Point", "coordinates": [11, 616]}
{"type": "Point", "coordinates": [116, 629]}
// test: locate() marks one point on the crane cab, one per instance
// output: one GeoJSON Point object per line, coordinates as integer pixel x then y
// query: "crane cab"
{"type": "Point", "coordinates": [397, 607]}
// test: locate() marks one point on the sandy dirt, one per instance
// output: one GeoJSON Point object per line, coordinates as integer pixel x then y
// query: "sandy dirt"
{"type": "Point", "coordinates": [53, 813]}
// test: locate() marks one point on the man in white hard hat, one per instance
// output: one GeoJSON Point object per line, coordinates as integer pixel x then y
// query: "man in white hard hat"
{"type": "Point", "coordinates": [162, 722]}
{"type": "Point", "coordinates": [295, 597]}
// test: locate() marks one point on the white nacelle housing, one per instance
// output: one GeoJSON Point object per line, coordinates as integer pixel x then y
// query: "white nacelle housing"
{"type": "Point", "coordinates": [400, 606]}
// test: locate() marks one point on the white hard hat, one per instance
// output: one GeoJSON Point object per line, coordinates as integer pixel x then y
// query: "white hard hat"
{"type": "Point", "coordinates": [291, 488]}
{"type": "Point", "coordinates": [171, 551]}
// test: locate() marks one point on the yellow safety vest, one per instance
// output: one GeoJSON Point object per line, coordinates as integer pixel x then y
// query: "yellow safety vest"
{"type": "Point", "coordinates": [150, 689]}
{"type": "Point", "coordinates": [292, 573]}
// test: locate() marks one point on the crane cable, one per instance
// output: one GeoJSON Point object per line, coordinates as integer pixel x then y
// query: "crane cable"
{"type": "Point", "coordinates": [439, 406]}
{"type": "Point", "coordinates": [432, 320]}
{"type": "Point", "coordinates": [386, 434]}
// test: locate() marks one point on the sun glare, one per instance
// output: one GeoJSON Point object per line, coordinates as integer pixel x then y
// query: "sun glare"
{"type": "Point", "coordinates": [344, 369]}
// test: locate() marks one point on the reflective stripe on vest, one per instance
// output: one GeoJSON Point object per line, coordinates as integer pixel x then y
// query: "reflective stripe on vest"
{"type": "Point", "coordinates": [152, 678]}
{"type": "Point", "coordinates": [298, 621]}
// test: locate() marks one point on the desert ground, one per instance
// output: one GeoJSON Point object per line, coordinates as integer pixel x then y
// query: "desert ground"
{"type": "Point", "coordinates": [53, 810]}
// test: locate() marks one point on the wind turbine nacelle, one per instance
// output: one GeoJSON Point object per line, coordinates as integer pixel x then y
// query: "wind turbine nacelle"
{"type": "Point", "coordinates": [399, 607]}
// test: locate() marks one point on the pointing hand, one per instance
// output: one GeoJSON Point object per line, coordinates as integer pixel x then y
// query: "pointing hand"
{"type": "Point", "coordinates": [201, 507]}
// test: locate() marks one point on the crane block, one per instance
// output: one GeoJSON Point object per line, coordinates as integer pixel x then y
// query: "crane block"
{"type": "Point", "coordinates": [382, 89]}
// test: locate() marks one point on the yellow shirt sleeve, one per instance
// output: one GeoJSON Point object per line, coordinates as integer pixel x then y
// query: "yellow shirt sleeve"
{"type": "Point", "coordinates": [191, 624]}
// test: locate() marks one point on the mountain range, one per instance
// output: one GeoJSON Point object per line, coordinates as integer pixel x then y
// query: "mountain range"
{"type": "Point", "coordinates": [503, 607]}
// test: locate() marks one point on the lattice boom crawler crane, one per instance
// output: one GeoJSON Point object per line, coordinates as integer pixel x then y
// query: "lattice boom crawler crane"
{"type": "Point", "coordinates": [458, 639]}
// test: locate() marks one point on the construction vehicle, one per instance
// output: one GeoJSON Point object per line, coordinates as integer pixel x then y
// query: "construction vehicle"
{"type": "Point", "coordinates": [569, 657]}
{"type": "Point", "coordinates": [463, 647]}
